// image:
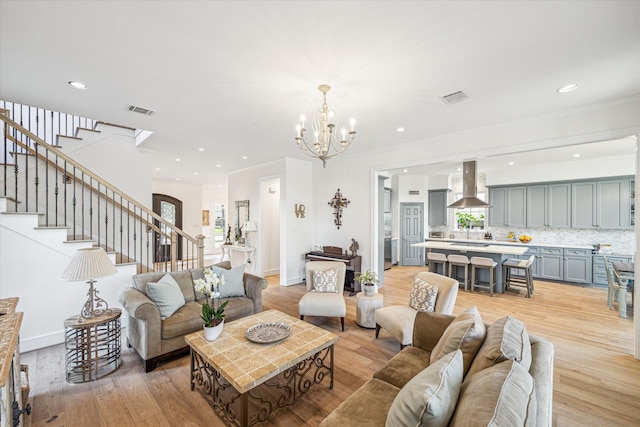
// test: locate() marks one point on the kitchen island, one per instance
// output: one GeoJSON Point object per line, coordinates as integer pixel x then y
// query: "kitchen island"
{"type": "Point", "coordinates": [498, 253]}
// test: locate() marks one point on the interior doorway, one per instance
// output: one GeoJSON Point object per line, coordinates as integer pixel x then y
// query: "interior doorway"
{"type": "Point", "coordinates": [412, 231]}
{"type": "Point", "coordinates": [170, 209]}
{"type": "Point", "coordinates": [269, 226]}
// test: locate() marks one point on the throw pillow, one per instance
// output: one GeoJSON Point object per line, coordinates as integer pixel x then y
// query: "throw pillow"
{"type": "Point", "coordinates": [233, 281]}
{"type": "Point", "coordinates": [507, 338]}
{"type": "Point", "coordinates": [466, 332]}
{"type": "Point", "coordinates": [502, 395]}
{"type": "Point", "coordinates": [325, 280]}
{"type": "Point", "coordinates": [423, 295]}
{"type": "Point", "coordinates": [429, 398]}
{"type": "Point", "coordinates": [166, 294]}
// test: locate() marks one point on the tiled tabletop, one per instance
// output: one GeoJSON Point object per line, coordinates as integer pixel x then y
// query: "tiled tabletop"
{"type": "Point", "coordinates": [10, 323]}
{"type": "Point", "coordinates": [246, 364]}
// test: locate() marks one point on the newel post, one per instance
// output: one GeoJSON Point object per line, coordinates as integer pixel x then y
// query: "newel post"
{"type": "Point", "coordinates": [174, 250]}
{"type": "Point", "coordinates": [200, 242]}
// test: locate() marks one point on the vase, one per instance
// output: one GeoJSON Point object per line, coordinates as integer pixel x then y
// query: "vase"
{"type": "Point", "coordinates": [369, 290]}
{"type": "Point", "coordinates": [213, 332]}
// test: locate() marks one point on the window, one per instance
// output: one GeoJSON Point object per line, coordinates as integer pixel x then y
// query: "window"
{"type": "Point", "coordinates": [478, 213]}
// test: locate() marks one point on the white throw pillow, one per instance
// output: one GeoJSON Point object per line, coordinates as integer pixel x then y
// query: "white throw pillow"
{"type": "Point", "coordinates": [325, 280]}
{"type": "Point", "coordinates": [423, 295]}
{"type": "Point", "coordinates": [429, 398]}
{"type": "Point", "coordinates": [233, 281]}
{"type": "Point", "coordinates": [166, 294]}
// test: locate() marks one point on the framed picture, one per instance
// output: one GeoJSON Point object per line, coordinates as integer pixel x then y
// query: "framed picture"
{"type": "Point", "coordinates": [205, 217]}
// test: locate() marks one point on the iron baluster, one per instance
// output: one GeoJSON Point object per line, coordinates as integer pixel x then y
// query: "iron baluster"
{"type": "Point", "coordinates": [55, 192]}
{"type": "Point", "coordinates": [90, 208]}
{"type": "Point", "coordinates": [46, 186]}
{"type": "Point", "coordinates": [74, 203]}
{"type": "Point", "coordinates": [15, 167]}
{"type": "Point", "coordinates": [37, 180]}
{"type": "Point", "coordinates": [98, 210]}
{"type": "Point", "coordinates": [65, 177]}
{"type": "Point", "coordinates": [121, 242]}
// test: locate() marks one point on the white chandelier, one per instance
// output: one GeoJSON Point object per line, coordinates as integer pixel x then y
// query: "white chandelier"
{"type": "Point", "coordinates": [325, 144]}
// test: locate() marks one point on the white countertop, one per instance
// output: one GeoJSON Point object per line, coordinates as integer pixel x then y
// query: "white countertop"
{"type": "Point", "coordinates": [515, 243]}
{"type": "Point", "coordinates": [489, 249]}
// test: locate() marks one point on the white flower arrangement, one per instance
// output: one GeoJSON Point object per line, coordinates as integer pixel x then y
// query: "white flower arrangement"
{"type": "Point", "coordinates": [210, 287]}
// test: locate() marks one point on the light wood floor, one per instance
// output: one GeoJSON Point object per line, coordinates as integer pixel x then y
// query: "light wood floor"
{"type": "Point", "coordinates": [596, 378]}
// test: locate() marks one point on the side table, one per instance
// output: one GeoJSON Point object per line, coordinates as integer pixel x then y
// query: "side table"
{"type": "Point", "coordinates": [366, 309]}
{"type": "Point", "coordinates": [92, 346]}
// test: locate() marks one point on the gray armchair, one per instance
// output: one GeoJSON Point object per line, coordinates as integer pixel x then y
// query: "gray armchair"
{"type": "Point", "coordinates": [327, 304]}
{"type": "Point", "coordinates": [156, 339]}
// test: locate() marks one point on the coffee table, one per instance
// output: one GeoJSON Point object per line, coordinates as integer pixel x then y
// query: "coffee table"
{"type": "Point", "coordinates": [245, 381]}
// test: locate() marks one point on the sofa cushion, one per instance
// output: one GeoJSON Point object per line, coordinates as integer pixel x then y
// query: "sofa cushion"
{"type": "Point", "coordinates": [430, 397]}
{"type": "Point", "coordinates": [325, 280]}
{"type": "Point", "coordinates": [466, 332]}
{"type": "Point", "coordinates": [182, 277]}
{"type": "Point", "coordinates": [507, 338]}
{"type": "Point", "coordinates": [367, 406]}
{"type": "Point", "coordinates": [184, 321]}
{"type": "Point", "coordinates": [501, 396]}
{"type": "Point", "coordinates": [166, 294]}
{"type": "Point", "coordinates": [403, 366]}
{"type": "Point", "coordinates": [233, 281]}
{"type": "Point", "coordinates": [423, 295]}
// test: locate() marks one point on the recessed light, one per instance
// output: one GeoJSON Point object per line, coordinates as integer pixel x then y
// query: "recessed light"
{"type": "Point", "coordinates": [218, 166]}
{"type": "Point", "coordinates": [405, 171]}
{"type": "Point", "coordinates": [195, 173]}
{"type": "Point", "coordinates": [157, 169]}
{"type": "Point", "coordinates": [77, 85]}
{"type": "Point", "coordinates": [400, 130]}
{"type": "Point", "coordinates": [177, 160]}
{"type": "Point", "coordinates": [568, 88]}
{"type": "Point", "coordinates": [177, 179]}
{"type": "Point", "coordinates": [510, 163]}
{"type": "Point", "coordinates": [200, 149]}
{"type": "Point", "coordinates": [244, 157]}
{"type": "Point", "coordinates": [577, 155]}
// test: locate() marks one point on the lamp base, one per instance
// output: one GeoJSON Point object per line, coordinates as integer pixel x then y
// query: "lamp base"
{"type": "Point", "coordinates": [95, 306]}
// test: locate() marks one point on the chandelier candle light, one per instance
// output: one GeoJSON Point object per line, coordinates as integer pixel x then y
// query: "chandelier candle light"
{"type": "Point", "coordinates": [325, 143]}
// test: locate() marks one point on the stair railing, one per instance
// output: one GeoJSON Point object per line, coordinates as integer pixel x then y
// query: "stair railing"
{"type": "Point", "coordinates": [38, 177]}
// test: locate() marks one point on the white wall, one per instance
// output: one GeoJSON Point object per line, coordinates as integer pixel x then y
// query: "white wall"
{"type": "Point", "coordinates": [268, 234]}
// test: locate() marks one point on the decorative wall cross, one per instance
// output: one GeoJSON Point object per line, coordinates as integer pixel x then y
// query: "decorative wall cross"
{"type": "Point", "coordinates": [337, 203]}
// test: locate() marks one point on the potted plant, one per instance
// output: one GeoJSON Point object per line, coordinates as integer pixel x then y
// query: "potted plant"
{"type": "Point", "coordinates": [212, 316]}
{"type": "Point", "coordinates": [467, 220]}
{"type": "Point", "coordinates": [368, 280]}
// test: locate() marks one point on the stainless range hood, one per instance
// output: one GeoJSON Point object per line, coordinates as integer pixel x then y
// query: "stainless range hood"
{"type": "Point", "coordinates": [469, 190]}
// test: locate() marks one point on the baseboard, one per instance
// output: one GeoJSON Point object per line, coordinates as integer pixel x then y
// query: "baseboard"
{"type": "Point", "coordinates": [272, 272]}
{"type": "Point", "coordinates": [41, 341]}
{"type": "Point", "coordinates": [294, 281]}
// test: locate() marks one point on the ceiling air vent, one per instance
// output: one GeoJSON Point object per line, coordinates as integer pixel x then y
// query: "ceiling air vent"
{"type": "Point", "coordinates": [414, 192]}
{"type": "Point", "coordinates": [454, 97]}
{"type": "Point", "coordinates": [141, 110]}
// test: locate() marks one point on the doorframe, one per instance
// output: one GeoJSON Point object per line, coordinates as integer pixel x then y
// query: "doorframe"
{"type": "Point", "coordinates": [157, 200]}
{"type": "Point", "coordinates": [402, 224]}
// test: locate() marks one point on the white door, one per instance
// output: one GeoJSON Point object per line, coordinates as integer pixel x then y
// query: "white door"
{"type": "Point", "coordinates": [412, 220]}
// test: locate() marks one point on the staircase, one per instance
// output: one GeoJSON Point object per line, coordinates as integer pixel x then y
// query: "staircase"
{"type": "Point", "coordinates": [51, 205]}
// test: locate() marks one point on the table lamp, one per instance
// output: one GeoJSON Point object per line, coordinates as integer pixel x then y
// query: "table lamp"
{"type": "Point", "coordinates": [250, 227]}
{"type": "Point", "coordinates": [90, 264]}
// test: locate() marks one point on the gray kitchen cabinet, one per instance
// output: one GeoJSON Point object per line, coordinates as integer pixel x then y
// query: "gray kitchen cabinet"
{"type": "Point", "coordinates": [632, 204]}
{"type": "Point", "coordinates": [549, 205]}
{"type": "Point", "coordinates": [577, 265]}
{"type": "Point", "coordinates": [599, 274]}
{"type": "Point", "coordinates": [508, 206]}
{"type": "Point", "coordinates": [601, 204]}
{"type": "Point", "coordinates": [438, 207]}
{"type": "Point", "coordinates": [551, 264]}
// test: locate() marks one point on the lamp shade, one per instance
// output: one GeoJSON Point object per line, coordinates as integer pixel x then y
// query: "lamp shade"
{"type": "Point", "coordinates": [250, 226]}
{"type": "Point", "coordinates": [87, 264]}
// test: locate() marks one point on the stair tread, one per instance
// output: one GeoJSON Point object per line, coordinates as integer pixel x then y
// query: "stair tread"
{"type": "Point", "coordinates": [22, 213]}
{"type": "Point", "coordinates": [115, 125]}
{"type": "Point", "coordinates": [79, 241]}
{"type": "Point", "coordinates": [52, 227]}
{"type": "Point", "coordinates": [66, 136]}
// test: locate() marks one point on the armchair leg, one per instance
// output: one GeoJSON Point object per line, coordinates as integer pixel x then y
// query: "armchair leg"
{"type": "Point", "coordinates": [302, 317]}
{"type": "Point", "coordinates": [342, 323]}
{"type": "Point", "coordinates": [402, 346]}
{"type": "Point", "coordinates": [377, 330]}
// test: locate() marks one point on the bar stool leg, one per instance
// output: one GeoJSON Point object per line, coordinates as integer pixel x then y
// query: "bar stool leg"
{"type": "Point", "coordinates": [466, 270]}
{"type": "Point", "coordinates": [473, 278]}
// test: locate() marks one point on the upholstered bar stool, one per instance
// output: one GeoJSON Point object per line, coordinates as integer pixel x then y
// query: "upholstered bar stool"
{"type": "Point", "coordinates": [455, 263]}
{"type": "Point", "coordinates": [509, 280]}
{"type": "Point", "coordinates": [483, 262]}
{"type": "Point", "coordinates": [434, 259]}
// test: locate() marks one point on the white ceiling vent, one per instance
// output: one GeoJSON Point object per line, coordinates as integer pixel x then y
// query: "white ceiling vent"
{"type": "Point", "coordinates": [454, 97]}
{"type": "Point", "coordinates": [414, 192]}
{"type": "Point", "coordinates": [141, 110]}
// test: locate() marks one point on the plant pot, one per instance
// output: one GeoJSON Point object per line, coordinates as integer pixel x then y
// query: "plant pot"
{"type": "Point", "coordinates": [213, 332]}
{"type": "Point", "coordinates": [369, 289]}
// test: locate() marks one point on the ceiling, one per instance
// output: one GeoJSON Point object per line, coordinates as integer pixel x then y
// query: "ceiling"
{"type": "Point", "coordinates": [232, 78]}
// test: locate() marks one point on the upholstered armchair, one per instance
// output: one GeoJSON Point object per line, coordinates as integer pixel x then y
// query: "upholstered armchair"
{"type": "Point", "coordinates": [398, 320]}
{"type": "Point", "coordinates": [325, 287]}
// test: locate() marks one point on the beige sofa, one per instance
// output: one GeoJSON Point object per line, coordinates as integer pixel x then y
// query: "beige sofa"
{"type": "Point", "coordinates": [156, 339]}
{"type": "Point", "coordinates": [506, 378]}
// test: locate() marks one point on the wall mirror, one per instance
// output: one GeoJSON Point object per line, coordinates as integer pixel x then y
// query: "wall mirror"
{"type": "Point", "coordinates": [242, 213]}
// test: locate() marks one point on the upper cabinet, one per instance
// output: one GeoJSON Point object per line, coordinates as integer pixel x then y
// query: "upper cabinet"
{"type": "Point", "coordinates": [507, 206]}
{"type": "Point", "coordinates": [438, 207]}
{"type": "Point", "coordinates": [549, 205]}
{"type": "Point", "coordinates": [601, 204]}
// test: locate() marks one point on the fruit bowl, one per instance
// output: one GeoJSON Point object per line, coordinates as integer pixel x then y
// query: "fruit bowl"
{"type": "Point", "coordinates": [525, 238]}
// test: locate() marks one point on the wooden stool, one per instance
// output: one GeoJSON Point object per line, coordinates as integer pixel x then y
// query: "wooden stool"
{"type": "Point", "coordinates": [521, 264]}
{"type": "Point", "coordinates": [458, 261]}
{"type": "Point", "coordinates": [434, 259]}
{"type": "Point", "coordinates": [482, 262]}
{"type": "Point", "coordinates": [366, 309]}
